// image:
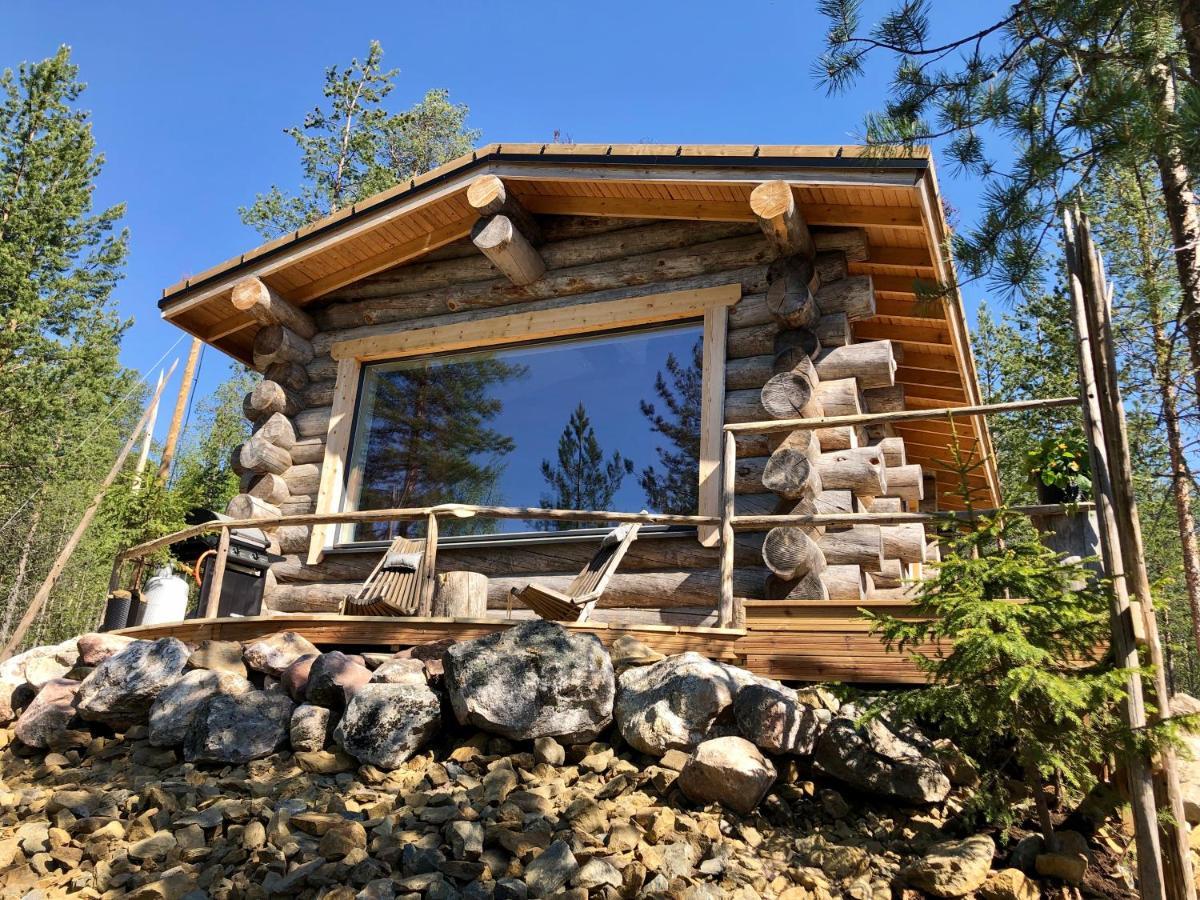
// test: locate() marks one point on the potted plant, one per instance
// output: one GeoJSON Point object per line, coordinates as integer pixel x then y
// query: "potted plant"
{"type": "Point", "coordinates": [1058, 468]}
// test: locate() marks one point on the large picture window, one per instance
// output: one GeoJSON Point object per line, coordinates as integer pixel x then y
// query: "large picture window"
{"type": "Point", "coordinates": [610, 421]}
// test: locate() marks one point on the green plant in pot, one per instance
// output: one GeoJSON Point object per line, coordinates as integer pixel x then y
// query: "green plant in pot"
{"type": "Point", "coordinates": [1058, 468]}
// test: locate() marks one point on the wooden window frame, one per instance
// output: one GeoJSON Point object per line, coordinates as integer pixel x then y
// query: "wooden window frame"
{"type": "Point", "coordinates": [559, 320]}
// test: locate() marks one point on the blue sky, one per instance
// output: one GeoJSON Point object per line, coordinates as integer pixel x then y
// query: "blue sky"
{"type": "Point", "coordinates": [189, 101]}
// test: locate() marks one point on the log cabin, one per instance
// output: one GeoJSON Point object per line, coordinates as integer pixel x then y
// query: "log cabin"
{"type": "Point", "coordinates": [575, 326]}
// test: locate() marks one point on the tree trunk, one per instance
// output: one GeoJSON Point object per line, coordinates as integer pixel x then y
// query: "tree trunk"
{"type": "Point", "coordinates": [10, 608]}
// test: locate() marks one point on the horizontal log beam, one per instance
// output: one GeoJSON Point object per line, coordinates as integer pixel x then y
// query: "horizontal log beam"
{"type": "Point", "coordinates": [266, 306]}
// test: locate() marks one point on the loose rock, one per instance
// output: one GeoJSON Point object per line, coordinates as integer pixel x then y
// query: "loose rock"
{"type": "Point", "coordinates": [952, 868]}
{"type": "Point", "coordinates": [218, 656]}
{"type": "Point", "coordinates": [50, 721]}
{"type": "Point", "coordinates": [310, 727]}
{"type": "Point", "coordinates": [729, 770]}
{"type": "Point", "coordinates": [774, 720]}
{"type": "Point", "coordinates": [295, 677]}
{"type": "Point", "coordinates": [334, 678]}
{"type": "Point", "coordinates": [95, 647]}
{"type": "Point", "coordinates": [274, 653]}
{"type": "Point", "coordinates": [534, 680]}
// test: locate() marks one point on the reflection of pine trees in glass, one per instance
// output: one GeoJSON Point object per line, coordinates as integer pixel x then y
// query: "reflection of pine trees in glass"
{"type": "Point", "coordinates": [673, 486]}
{"type": "Point", "coordinates": [582, 479]}
{"type": "Point", "coordinates": [430, 442]}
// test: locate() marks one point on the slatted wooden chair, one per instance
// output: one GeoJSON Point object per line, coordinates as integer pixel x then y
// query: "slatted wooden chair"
{"type": "Point", "coordinates": [576, 603]}
{"type": "Point", "coordinates": [403, 582]}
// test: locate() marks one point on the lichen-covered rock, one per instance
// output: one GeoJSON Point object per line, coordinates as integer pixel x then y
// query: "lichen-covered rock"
{"type": "Point", "coordinates": [97, 646]}
{"type": "Point", "coordinates": [385, 724]}
{"type": "Point", "coordinates": [534, 680]}
{"type": "Point", "coordinates": [174, 709]}
{"type": "Point", "coordinates": [728, 770]}
{"type": "Point", "coordinates": [672, 704]}
{"type": "Point", "coordinates": [50, 721]}
{"type": "Point", "coordinates": [274, 653]}
{"type": "Point", "coordinates": [773, 719]}
{"type": "Point", "coordinates": [952, 868]}
{"type": "Point", "coordinates": [400, 671]}
{"type": "Point", "coordinates": [218, 656]}
{"type": "Point", "coordinates": [878, 759]}
{"type": "Point", "coordinates": [309, 728]}
{"type": "Point", "coordinates": [294, 678]}
{"type": "Point", "coordinates": [239, 728]}
{"type": "Point", "coordinates": [334, 678]}
{"type": "Point", "coordinates": [121, 690]}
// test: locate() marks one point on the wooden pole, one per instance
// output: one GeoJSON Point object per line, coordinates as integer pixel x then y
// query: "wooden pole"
{"type": "Point", "coordinates": [147, 436]}
{"type": "Point", "coordinates": [429, 567]}
{"type": "Point", "coordinates": [217, 580]}
{"type": "Point", "coordinates": [725, 611]}
{"type": "Point", "coordinates": [189, 369]}
{"type": "Point", "coordinates": [64, 555]}
{"type": "Point", "coordinates": [1141, 783]}
{"type": "Point", "coordinates": [1177, 862]}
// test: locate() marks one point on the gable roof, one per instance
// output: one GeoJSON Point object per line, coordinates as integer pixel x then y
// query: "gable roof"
{"type": "Point", "coordinates": [894, 199]}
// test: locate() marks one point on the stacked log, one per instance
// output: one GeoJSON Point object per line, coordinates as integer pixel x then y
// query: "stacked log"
{"type": "Point", "coordinates": [279, 463]}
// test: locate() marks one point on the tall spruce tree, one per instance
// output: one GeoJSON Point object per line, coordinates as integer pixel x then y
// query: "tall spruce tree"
{"type": "Point", "coordinates": [352, 147]}
{"type": "Point", "coordinates": [65, 401]}
{"type": "Point", "coordinates": [673, 486]}
{"type": "Point", "coordinates": [581, 478]}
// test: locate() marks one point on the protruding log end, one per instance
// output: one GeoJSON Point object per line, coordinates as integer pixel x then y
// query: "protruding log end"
{"type": "Point", "coordinates": [255, 296]}
{"type": "Point", "coordinates": [790, 553]}
{"type": "Point", "coordinates": [510, 251]}
{"type": "Point", "coordinates": [774, 205]}
{"type": "Point", "coordinates": [487, 195]}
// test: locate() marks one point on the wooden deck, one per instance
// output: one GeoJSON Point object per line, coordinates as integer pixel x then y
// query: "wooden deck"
{"type": "Point", "coordinates": [811, 642]}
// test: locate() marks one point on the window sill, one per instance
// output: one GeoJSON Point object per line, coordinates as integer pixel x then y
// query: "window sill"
{"type": "Point", "coordinates": [519, 539]}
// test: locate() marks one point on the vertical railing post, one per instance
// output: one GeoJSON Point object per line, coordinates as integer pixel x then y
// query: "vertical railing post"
{"type": "Point", "coordinates": [726, 614]}
{"type": "Point", "coordinates": [217, 580]}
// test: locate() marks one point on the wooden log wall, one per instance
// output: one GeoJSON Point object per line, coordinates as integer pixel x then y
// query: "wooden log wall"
{"type": "Point", "coordinates": [792, 321]}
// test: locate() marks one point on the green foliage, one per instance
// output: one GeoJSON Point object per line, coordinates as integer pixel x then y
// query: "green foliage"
{"type": "Point", "coordinates": [1024, 678]}
{"type": "Point", "coordinates": [1061, 461]}
{"type": "Point", "coordinates": [582, 478]}
{"type": "Point", "coordinates": [353, 147]}
{"type": "Point", "coordinates": [1045, 96]}
{"type": "Point", "coordinates": [203, 474]}
{"type": "Point", "coordinates": [672, 486]}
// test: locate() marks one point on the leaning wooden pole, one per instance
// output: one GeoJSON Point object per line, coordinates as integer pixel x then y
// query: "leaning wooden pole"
{"type": "Point", "coordinates": [64, 556]}
{"type": "Point", "coordinates": [1151, 882]}
{"type": "Point", "coordinates": [189, 370]}
{"type": "Point", "coordinates": [1177, 862]}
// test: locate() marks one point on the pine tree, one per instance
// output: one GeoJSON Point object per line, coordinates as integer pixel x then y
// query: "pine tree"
{"type": "Point", "coordinates": [673, 486]}
{"type": "Point", "coordinates": [66, 403]}
{"type": "Point", "coordinates": [204, 474]}
{"type": "Point", "coordinates": [353, 147]}
{"type": "Point", "coordinates": [582, 479]}
{"type": "Point", "coordinates": [431, 441]}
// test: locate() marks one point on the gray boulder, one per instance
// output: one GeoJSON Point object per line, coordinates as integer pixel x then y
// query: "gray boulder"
{"type": "Point", "coordinates": [672, 704]}
{"type": "Point", "coordinates": [274, 653]}
{"type": "Point", "coordinates": [729, 770]}
{"type": "Point", "coordinates": [174, 709]}
{"type": "Point", "coordinates": [775, 720]}
{"type": "Point", "coordinates": [534, 680]}
{"type": "Point", "coordinates": [385, 724]}
{"type": "Point", "coordinates": [309, 728]}
{"type": "Point", "coordinates": [121, 690]}
{"type": "Point", "coordinates": [239, 728]}
{"type": "Point", "coordinates": [50, 721]}
{"type": "Point", "coordinates": [880, 759]}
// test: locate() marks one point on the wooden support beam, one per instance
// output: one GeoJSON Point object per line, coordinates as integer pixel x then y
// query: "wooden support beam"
{"type": "Point", "coordinates": [256, 297]}
{"type": "Point", "coordinates": [774, 206]}
{"type": "Point", "coordinates": [489, 196]}
{"type": "Point", "coordinates": [275, 344]}
{"type": "Point", "coordinates": [509, 250]}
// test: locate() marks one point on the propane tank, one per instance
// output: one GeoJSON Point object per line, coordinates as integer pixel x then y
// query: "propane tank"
{"type": "Point", "coordinates": [165, 596]}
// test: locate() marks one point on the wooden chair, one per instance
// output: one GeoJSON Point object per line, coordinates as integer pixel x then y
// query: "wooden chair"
{"type": "Point", "coordinates": [403, 582]}
{"type": "Point", "coordinates": [577, 602]}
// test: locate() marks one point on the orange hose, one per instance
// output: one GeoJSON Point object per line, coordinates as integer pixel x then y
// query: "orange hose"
{"type": "Point", "coordinates": [200, 559]}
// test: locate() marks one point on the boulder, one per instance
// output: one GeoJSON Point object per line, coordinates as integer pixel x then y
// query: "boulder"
{"type": "Point", "coordinates": [952, 868]}
{"type": "Point", "coordinates": [274, 653]}
{"type": "Point", "coordinates": [672, 704]}
{"type": "Point", "coordinates": [400, 671]}
{"type": "Point", "coordinates": [776, 721]}
{"type": "Point", "coordinates": [174, 709]}
{"type": "Point", "coordinates": [728, 770]}
{"type": "Point", "coordinates": [95, 647]}
{"type": "Point", "coordinates": [1066, 866]}
{"type": "Point", "coordinates": [1009, 884]}
{"type": "Point", "coordinates": [50, 721]}
{"type": "Point", "coordinates": [238, 728]}
{"type": "Point", "coordinates": [334, 678]}
{"type": "Point", "coordinates": [294, 678]}
{"type": "Point", "coordinates": [14, 691]}
{"type": "Point", "coordinates": [43, 669]}
{"type": "Point", "coordinates": [218, 656]}
{"type": "Point", "coordinates": [121, 690]}
{"type": "Point", "coordinates": [310, 727]}
{"type": "Point", "coordinates": [385, 724]}
{"type": "Point", "coordinates": [878, 759]}
{"type": "Point", "coordinates": [533, 680]}
{"type": "Point", "coordinates": [432, 655]}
